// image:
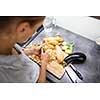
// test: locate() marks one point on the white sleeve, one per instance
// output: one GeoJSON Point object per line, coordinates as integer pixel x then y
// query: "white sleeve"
{"type": "Point", "coordinates": [35, 69]}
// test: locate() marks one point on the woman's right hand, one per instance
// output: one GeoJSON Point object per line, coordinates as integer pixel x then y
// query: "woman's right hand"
{"type": "Point", "coordinates": [44, 61]}
{"type": "Point", "coordinates": [45, 58]}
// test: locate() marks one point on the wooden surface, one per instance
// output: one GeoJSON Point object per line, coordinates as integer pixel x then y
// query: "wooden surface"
{"type": "Point", "coordinates": [56, 69]}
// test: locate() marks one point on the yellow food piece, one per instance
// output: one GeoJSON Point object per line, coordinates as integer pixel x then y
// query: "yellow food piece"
{"type": "Point", "coordinates": [64, 43]}
{"type": "Point", "coordinates": [68, 51]}
{"type": "Point", "coordinates": [53, 40]}
{"type": "Point", "coordinates": [51, 46]}
{"type": "Point", "coordinates": [52, 54]}
{"type": "Point", "coordinates": [36, 58]}
{"type": "Point", "coordinates": [48, 47]}
{"type": "Point", "coordinates": [60, 54]}
{"type": "Point", "coordinates": [59, 39]}
{"type": "Point", "coordinates": [64, 48]}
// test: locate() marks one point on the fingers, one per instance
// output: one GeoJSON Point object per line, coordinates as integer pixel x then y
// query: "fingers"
{"type": "Point", "coordinates": [42, 51]}
{"type": "Point", "coordinates": [39, 47]}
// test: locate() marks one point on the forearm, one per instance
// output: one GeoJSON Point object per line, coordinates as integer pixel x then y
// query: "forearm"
{"type": "Point", "coordinates": [42, 77]}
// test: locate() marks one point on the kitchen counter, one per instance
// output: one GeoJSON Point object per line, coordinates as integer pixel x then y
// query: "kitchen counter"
{"type": "Point", "coordinates": [90, 70]}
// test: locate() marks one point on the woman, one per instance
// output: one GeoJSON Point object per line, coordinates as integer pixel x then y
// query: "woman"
{"type": "Point", "coordinates": [12, 67]}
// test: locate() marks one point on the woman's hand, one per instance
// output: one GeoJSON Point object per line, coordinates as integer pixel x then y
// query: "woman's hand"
{"type": "Point", "coordinates": [44, 61]}
{"type": "Point", "coordinates": [33, 51]}
{"type": "Point", "coordinates": [45, 58]}
{"type": "Point", "coordinates": [36, 50]}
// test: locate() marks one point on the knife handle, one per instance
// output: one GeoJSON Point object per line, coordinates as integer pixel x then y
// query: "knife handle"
{"type": "Point", "coordinates": [76, 58]}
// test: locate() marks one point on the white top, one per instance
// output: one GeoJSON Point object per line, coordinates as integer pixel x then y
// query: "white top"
{"type": "Point", "coordinates": [18, 69]}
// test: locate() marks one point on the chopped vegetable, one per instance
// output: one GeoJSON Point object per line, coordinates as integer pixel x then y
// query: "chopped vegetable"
{"type": "Point", "coordinates": [64, 43]}
{"type": "Point", "coordinates": [68, 51]}
{"type": "Point", "coordinates": [68, 47]}
{"type": "Point", "coordinates": [64, 64]}
{"type": "Point", "coordinates": [65, 47]}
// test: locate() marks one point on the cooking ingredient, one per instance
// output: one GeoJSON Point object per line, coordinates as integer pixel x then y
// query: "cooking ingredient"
{"type": "Point", "coordinates": [68, 51]}
{"type": "Point", "coordinates": [48, 46]}
{"type": "Point", "coordinates": [64, 64]}
{"type": "Point", "coordinates": [59, 39]}
{"type": "Point", "coordinates": [65, 47]}
{"type": "Point", "coordinates": [68, 47]}
{"type": "Point", "coordinates": [56, 47]}
{"type": "Point", "coordinates": [53, 40]}
{"type": "Point", "coordinates": [64, 43]}
{"type": "Point", "coordinates": [60, 54]}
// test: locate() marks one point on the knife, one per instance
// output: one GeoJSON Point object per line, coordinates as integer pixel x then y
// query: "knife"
{"type": "Point", "coordinates": [75, 58]}
{"type": "Point", "coordinates": [71, 74]}
{"type": "Point", "coordinates": [69, 77]}
{"type": "Point", "coordinates": [76, 71]}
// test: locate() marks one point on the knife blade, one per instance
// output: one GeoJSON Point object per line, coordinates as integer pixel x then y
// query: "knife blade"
{"type": "Point", "coordinates": [76, 71]}
{"type": "Point", "coordinates": [71, 74]}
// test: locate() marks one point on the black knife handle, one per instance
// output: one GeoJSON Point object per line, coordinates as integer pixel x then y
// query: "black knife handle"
{"type": "Point", "coordinates": [75, 58]}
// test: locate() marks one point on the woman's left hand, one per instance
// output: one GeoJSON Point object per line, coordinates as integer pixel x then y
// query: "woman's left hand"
{"type": "Point", "coordinates": [33, 51]}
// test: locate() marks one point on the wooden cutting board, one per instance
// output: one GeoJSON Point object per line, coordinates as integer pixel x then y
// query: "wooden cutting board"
{"type": "Point", "coordinates": [56, 69]}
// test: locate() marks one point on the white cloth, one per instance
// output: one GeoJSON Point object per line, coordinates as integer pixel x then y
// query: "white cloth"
{"type": "Point", "coordinates": [18, 69]}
